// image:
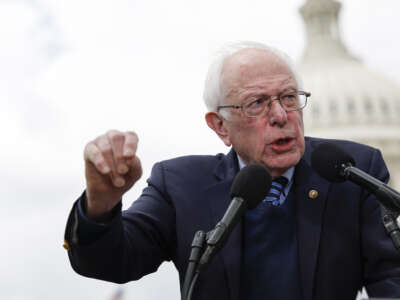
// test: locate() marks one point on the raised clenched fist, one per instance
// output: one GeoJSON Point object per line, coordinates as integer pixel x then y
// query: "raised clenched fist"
{"type": "Point", "coordinates": [112, 168]}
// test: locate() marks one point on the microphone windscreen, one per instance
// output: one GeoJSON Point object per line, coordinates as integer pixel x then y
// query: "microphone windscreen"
{"type": "Point", "coordinates": [327, 160]}
{"type": "Point", "coordinates": [252, 184]}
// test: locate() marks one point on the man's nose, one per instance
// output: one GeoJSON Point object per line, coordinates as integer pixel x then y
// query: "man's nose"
{"type": "Point", "coordinates": [277, 114]}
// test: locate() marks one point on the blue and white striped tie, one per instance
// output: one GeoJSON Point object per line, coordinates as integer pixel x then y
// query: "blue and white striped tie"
{"type": "Point", "coordinates": [277, 187]}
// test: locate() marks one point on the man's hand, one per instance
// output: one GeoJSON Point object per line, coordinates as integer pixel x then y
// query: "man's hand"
{"type": "Point", "coordinates": [112, 168]}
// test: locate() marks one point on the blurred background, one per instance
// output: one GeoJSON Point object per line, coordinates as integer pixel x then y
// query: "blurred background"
{"type": "Point", "coordinates": [71, 70]}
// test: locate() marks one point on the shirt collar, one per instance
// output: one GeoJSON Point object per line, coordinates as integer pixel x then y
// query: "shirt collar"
{"type": "Point", "coordinates": [288, 174]}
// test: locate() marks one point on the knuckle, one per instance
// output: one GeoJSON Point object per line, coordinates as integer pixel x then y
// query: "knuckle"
{"type": "Point", "coordinates": [98, 158]}
{"type": "Point", "coordinates": [131, 143]}
{"type": "Point", "coordinates": [103, 144]}
{"type": "Point", "coordinates": [132, 136]}
{"type": "Point", "coordinates": [118, 156]}
{"type": "Point", "coordinates": [100, 164]}
{"type": "Point", "coordinates": [106, 150]}
{"type": "Point", "coordinates": [89, 150]}
{"type": "Point", "coordinates": [113, 132]}
{"type": "Point", "coordinates": [115, 136]}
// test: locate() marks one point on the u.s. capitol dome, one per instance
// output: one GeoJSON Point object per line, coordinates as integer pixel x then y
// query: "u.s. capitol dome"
{"type": "Point", "coordinates": [349, 101]}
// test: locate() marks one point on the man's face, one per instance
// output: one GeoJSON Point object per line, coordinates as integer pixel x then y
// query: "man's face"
{"type": "Point", "coordinates": [276, 138]}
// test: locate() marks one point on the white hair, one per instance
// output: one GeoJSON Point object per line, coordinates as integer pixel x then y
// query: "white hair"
{"type": "Point", "coordinates": [213, 94]}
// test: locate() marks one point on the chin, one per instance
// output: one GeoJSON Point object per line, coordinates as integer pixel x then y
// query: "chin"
{"type": "Point", "coordinates": [280, 164]}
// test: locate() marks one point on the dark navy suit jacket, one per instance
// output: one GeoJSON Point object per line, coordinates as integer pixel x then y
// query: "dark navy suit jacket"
{"type": "Point", "coordinates": [342, 244]}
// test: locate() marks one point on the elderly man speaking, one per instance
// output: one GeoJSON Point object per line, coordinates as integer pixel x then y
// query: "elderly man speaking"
{"type": "Point", "coordinates": [314, 240]}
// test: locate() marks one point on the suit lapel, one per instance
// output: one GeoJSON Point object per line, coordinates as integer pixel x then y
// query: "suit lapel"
{"type": "Point", "coordinates": [309, 215]}
{"type": "Point", "coordinates": [219, 202]}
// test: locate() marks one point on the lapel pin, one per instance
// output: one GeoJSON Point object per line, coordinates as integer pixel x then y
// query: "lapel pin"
{"type": "Point", "coordinates": [313, 194]}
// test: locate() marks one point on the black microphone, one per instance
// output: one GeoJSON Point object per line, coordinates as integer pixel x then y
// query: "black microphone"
{"type": "Point", "coordinates": [335, 164]}
{"type": "Point", "coordinates": [250, 186]}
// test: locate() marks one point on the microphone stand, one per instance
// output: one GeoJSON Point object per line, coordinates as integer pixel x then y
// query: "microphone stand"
{"type": "Point", "coordinates": [389, 220]}
{"type": "Point", "coordinates": [199, 258]}
{"type": "Point", "coordinates": [389, 199]}
{"type": "Point", "coordinates": [192, 272]}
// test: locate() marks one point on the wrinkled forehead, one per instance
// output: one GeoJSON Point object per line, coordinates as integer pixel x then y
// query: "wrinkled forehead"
{"type": "Point", "coordinates": [248, 65]}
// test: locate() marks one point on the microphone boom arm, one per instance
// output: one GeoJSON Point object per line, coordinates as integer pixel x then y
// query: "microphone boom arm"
{"type": "Point", "coordinates": [389, 197]}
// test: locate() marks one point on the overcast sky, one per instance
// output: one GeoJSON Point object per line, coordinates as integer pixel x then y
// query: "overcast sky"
{"type": "Point", "coordinates": [70, 70]}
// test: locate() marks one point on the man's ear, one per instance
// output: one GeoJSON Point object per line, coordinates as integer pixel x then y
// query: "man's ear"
{"type": "Point", "coordinates": [217, 123]}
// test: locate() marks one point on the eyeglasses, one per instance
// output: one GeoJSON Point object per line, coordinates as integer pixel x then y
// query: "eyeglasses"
{"type": "Point", "coordinates": [290, 101]}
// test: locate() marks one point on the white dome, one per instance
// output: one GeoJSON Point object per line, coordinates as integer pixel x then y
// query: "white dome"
{"type": "Point", "coordinates": [347, 94]}
{"type": "Point", "coordinates": [347, 100]}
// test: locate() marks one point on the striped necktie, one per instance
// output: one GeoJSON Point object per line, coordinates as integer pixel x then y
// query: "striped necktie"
{"type": "Point", "coordinates": [277, 187]}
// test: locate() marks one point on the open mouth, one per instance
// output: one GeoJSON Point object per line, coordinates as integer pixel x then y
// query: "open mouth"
{"type": "Point", "coordinates": [283, 144]}
{"type": "Point", "coordinates": [282, 141]}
